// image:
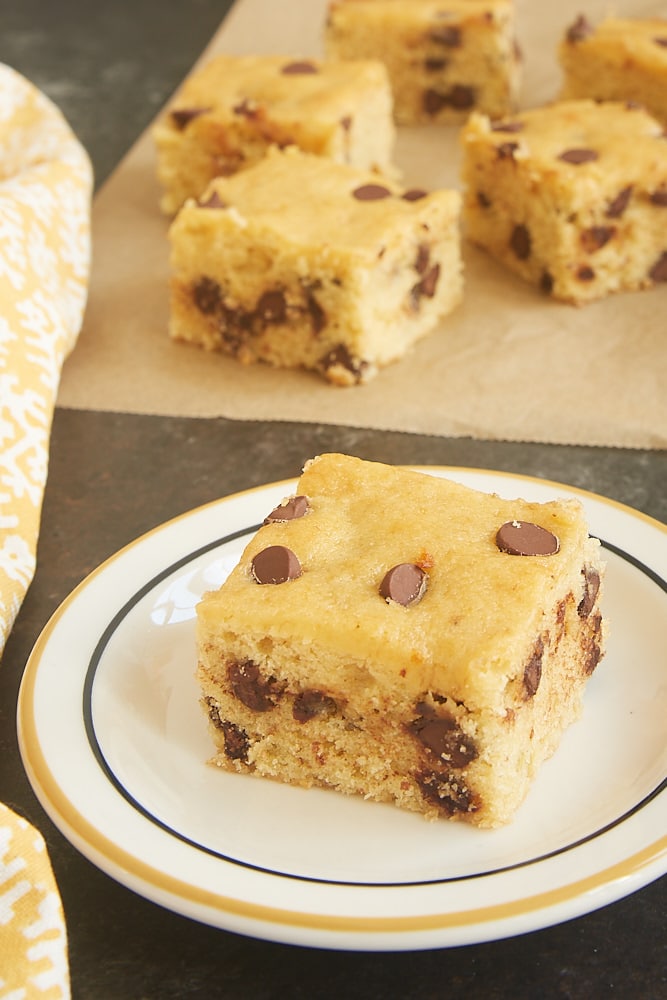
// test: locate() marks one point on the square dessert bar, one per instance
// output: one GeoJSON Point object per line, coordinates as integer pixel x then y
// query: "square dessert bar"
{"type": "Point", "coordinates": [444, 58]}
{"type": "Point", "coordinates": [229, 112]}
{"type": "Point", "coordinates": [571, 196]}
{"type": "Point", "coordinates": [620, 59]}
{"type": "Point", "coordinates": [306, 263]}
{"type": "Point", "coordinates": [402, 637]}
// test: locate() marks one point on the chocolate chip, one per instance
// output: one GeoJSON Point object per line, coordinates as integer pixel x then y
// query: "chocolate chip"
{"type": "Point", "coordinates": [593, 647]}
{"type": "Point", "coordinates": [577, 156]}
{"type": "Point", "coordinates": [275, 564]}
{"type": "Point", "coordinates": [532, 673]}
{"type": "Point", "coordinates": [595, 238]}
{"type": "Point", "coordinates": [213, 712]}
{"type": "Point", "coordinates": [449, 36]}
{"type": "Point", "coordinates": [318, 317]}
{"type": "Point", "coordinates": [298, 67]}
{"type": "Point", "coordinates": [414, 194]}
{"type": "Point", "coordinates": [434, 65]}
{"type": "Point", "coordinates": [311, 704]}
{"type": "Point", "coordinates": [659, 197]}
{"type": "Point", "coordinates": [423, 257]}
{"type": "Point", "coordinates": [290, 510]}
{"type": "Point", "coordinates": [483, 200]}
{"type": "Point", "coordinates": [246, 108]}
{"type": "Point", "coordinates": [250, 687]}
{"type": "Point", "coordinates": [661, 41]}
{"type": "Point", "coordinates": [446, 792]}
{"type": "Point", "coordinates": [513, 126]}
{"type": "Point", "coordinates": [547, 283]}
{"type": "Point", "coordinates": [426, 287]}
{"type": "Point", "coordinates": [442, 736]}
{"type": "Point", "coordinates": [659, 270]}
{"type": "Point", "coordinates": [585, 273]}
{"type": "Point", "coordinates": [579, 30]}
{"type": "Point", "coordinates": [213, 201]}
{"type": "Point", "coordinates": [520, 241]}
{"type": "Point", "coordinates": [460, 97]}
{"type": "Point", "coordinates": [182, 117]}
{"type": "Point", "coordinates": [618, 205]}
{"type": "Point", "coordinates": [371, 192]}
{"type": "Point", "coordinates": [404, 584]}
{"type": "Point", "coordinates": [272, 307]}
{"type": "Point", "coordinates": [340, 357]}
{"type": "Point", "coordinates": [591, 589]}
{"type": "Point", "coordinates": [206, 295]}
{"type": "Point", "coordinates": [523, 538]}
{"type": "Point", "coordinates": [237, 743]}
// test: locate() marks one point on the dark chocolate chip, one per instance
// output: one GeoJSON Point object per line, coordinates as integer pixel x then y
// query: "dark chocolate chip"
{"type": "Point", "coordinates": [577, 156]}
{"type": "Point", "coordinates": [593, 645]}
{"type": "Point", "coordinates": [427, 286]}
{"type": "Point", "coordinates": [585, 273]}
{"type": "Point", "coordinates": [318, 317]}
{"type": "Point", "coordinates": [547, 283]}
{"type": "Point", "coordinates": [237, 743]}
{"type": "Point", "coordinates": [311, 704]}
{"type": "Point", "coordinates": [213, 201]}
{"type": "Point", "coordinates": [460, 97]}
{"type": "Point", "coordinates": [483, 200]}
{"type": "Point", "coordinates": [213, 712]}
{"type": "Point", "coordinates": [523, 538]}
{"type": "Point", "coordinates": [404, 584]}
{"type": "Point", "coordinates": [659, 270]}
{"type": "Point", "coordinates": [275, 564]}
{"type": "Point", "coordinates": [371, 192]}
{"type": "Point", "coordinates": [182, 117]}
{"type": "Point", "coordinates": [511, 126]}
{"type": "Point", "coordinates": [434, 65]}
{"type": "Point", "coordinates": [246, 108]}
{"type": "Point", "coordinates": [591, 590]}
{"type": "Point", "coordinates": [442, 736]}
{"type": "Point", "coordinates": [520, 241]}
{"type": "Point", "coordinates": [595, 238]}
{"type": "Point", "coordinates": [659, 197]}
{"type": "Point", "coordinates": [271, 307]}
{"type": "Point", "coordinates": [250, 687]}
{"type": "Point", "coordinates": [299, 67]}
{"type": "Point", "coordinates": [414, 194]}
{"type": "Point", "coordinates": [423, 258]}
{"type": "Point", "coordinates": [618, 205]}
{"type": "Point", "coordinates": [340, 356]}
{"type": "Point", "coordinates": [532, 673]}
{"type": "Point", "coordinates": [450, 36]}
{"type": "Point", "coordinates": [206, 295]}
{"type": "Point", "coordinates": [662, 41]}
{"type": "Point", "coordinates": [446, 792]}
{"type": "Point", "coordinates": [579, 30]}
{"type": "Point", "coordinates": [290, 510]}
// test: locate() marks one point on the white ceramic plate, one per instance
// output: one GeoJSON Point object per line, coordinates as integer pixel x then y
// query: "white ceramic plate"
{"type": "Point", "coordinates": [115, 744]}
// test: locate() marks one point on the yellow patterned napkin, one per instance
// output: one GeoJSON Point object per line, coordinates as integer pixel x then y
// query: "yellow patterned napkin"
{"type": "Point", "coordinates": [45, 193]}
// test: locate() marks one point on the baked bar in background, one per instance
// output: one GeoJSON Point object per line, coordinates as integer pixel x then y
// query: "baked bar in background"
{"type": "Point", "coordinates": [619, 59]}
{"type": "Point", "coordinates": [230, 111]}
{"type": "Point", "coordinates": [444, 59]}
{"type": "Point", "coordinates": [305, 263]}
{"type": "Point", "coordinates": [571, 196]}
{"type": "Point", "coordinates": [405, 638]}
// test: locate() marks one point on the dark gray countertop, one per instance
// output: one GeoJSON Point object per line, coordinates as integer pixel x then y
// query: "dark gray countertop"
{"type": "Point", "coordinates": [112, 477]}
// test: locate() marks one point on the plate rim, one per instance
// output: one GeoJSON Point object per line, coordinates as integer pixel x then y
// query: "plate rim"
{"type": "Point", "coordinates": [287, 924]}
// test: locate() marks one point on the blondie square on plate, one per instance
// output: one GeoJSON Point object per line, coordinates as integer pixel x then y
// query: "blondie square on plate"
{"type": "Point", "coordinates": [399, 636]}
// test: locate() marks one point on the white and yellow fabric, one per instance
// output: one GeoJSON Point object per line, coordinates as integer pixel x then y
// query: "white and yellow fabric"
{"type": "Point", "coordinates": [45, 193]}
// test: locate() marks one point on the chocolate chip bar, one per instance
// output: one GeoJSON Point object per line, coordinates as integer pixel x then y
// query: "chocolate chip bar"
{"type": "Point", "coordinates": [232, 110]}
{"type": "Point", "coordinates": [619, 59]}
{"type": "Point", "coordinates": [405, 638]}
{"type": "Point", "coordinates": [443, 59]}
{"type": "Point", "coordinates": [571, 196]}
{"type": "Point", "coordinates": [301, 262]}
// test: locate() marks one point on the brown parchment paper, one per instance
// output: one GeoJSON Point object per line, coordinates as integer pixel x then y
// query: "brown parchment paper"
{"type": "Point", "coordinates": [509, 364]}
